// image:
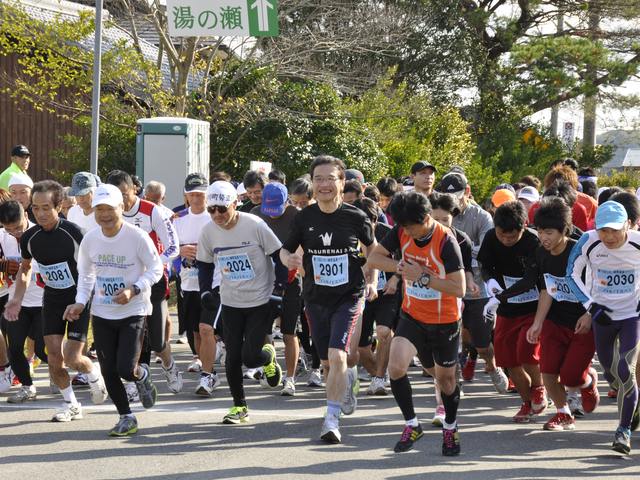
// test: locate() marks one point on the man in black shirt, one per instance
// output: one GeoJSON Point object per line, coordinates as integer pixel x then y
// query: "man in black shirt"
{"type": "Point", "coordinates": [253, 183]}
{"type": "Point", "coordinates": [330, 233]}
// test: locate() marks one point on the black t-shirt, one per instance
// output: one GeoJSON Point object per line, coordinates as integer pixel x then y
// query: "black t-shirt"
{"type": "Point", "coordinates": [332, 259]}
{"type": "Point", "coordinates": [247, 206]}
{"type": "Point", "coordinates": [56, 252]}
{"type": "Point", "coordinates": [465, 244]}
{"type": "Point", "coordinates": [380, 231]}
{"type": "Point", "coordinates": [498, 262]}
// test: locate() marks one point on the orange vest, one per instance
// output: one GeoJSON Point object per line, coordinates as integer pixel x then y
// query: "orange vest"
{"type": "Point", "coordinates": [427, 305]}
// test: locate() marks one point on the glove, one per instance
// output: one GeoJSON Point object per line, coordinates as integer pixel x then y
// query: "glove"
{"type": "Point", "coordinates": [490, 309]}
{"type": "Point", "coordinates": [209, 302]}
{"type": "Point", "coordinates": [599, 314]}
{"type": "Point", "coordinates": [493, 287]}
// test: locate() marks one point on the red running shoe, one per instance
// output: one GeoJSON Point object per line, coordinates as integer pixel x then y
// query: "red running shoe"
{"type": "Point", "coordinates": [469, 370]}
{"type": "Point", "coordinates": [590, 395]}
{"type": "Point", "coordinates": [538, 400]}
{"type": "Point", "coordinates": [524, 414]}
{"type": "Point", "coordinates": [560, 421]}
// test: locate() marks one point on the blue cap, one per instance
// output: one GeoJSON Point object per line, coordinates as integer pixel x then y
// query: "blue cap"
{"type": "Point", "coordinates": [274, 199]}
{"type": "Point", "coordinates": [611, 215]}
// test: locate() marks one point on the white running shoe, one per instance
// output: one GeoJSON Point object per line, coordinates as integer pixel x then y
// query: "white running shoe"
{"type": "Point", "coordinates": [68, 412]}
{"type": "Point", "coordinates": [98, 388]}
{"type": "Point", "coordinates": [6, 379]}
{"type": "Point", "coordinates": [350, 398]}
{"type": "Point", "coordinates": [182, 340]}
{"type": "Point", "coordinates": [363, 375]}
{"type": "Point", "coordinates": [387, 380]}
{"type": "Point", "coordinates": [315, 378]}
{"type": "Point", "coordinates": [277, 333]}
{"type": "Point", "coordinates": [195, 366]}
{"type": "Point", "coordinates": [208, 382]}
{"type": "Point", "coordinates": [157, 358]}
{"type": "Point", "coordinates": [250, 373]}
{"type": "Point", "coordinates": [289, 389]}
{"type": "Point", "coordinates": [499, 380]}
{"type": "Point", "coordinates": [575, 404]}
{"type": "Point", "coordinates": [221, 353]}
{"type": "Point", "coordinates": [23, 395]}
{"type": "Point", "coordinates": [331, 429]}
{"type": "Point", "coordinates": [438, 416]}
{"type": "Point", "coordinates": [132, 392]}
{"type": "Point", "coordinates": [174, 378]}
{"type": "Point", "coordinates": [376, 387]}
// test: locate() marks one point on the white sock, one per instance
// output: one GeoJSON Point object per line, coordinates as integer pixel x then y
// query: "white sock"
{"type": "Point", "coordinates": [564, 409]}
{"type": "Point", "coordinates": [170, 364]}
{"type": "Point", "coordinates": [413, 422]}
{"type": "Point", "coordinates": [68, 395]}
{"type": "Point", "coordinates": [143, 374]}
{"type": "Point", "coordinates": [449, 426]}
{"type": "Point", "coordinates": [93, 375]}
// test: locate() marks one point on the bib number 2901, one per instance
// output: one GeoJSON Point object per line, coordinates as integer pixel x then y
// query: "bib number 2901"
{"type": "Point", "coordinates": [331, 271]}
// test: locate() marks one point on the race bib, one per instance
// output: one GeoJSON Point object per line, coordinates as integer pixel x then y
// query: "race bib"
{"type": "Point", "coordinates": [331, 271]}
{"type": "Point", "coordinates": [615, 282]}
{"type": "Point", "coordinates": [236, 268]}
{"type": "Point", "coordinates": [558, 288]}
{"type": "Point", "coordinates": [106, 288]}
{"type": "Point", "coordinates": [382, 280]}
{"type": "Point", "coordinates": [526, 297]}
{"type": "Point", "coordinates": [57, 276]}
{"type": "Point", "coordinates": [415, 290]}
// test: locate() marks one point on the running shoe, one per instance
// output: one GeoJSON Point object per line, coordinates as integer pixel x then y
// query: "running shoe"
{"type": "Point", "coordinates": [146, 389]}
{"type": "Point", "coordinates": [157, 358]}
{"type": "Point", "coordinates": [331, 429]}
{"type": "Point", "coordinates": [80, 380]}
{"type": "Point", "coordinates": [6, 379]}
{"type": "Point", "coordinates": [387, 380]}
{"type": "Point", "coordinates": [277, 333]}
{"type": "Point", "coordinates": [376, 387]}
{"type": "Point", "coordinates": [183, 340]}
{"type": "Point", "coordinates": [450, 442]}
{"type": "Point", "coordinates": [409, 436]}
{"type": "Point", "coordinates": [524, 414]}
{"type": "Point", "coordinates": [67, 412]}
{"type": "Point", "coordinates": [98, 388]}
{"type": "Point", "coordinates": [195, 366]}
{"type": "Point", "coordinates": [92, 353]}
{"type": "Point", "coordinates": [236, 416]}
{"type": "Point", "coordinates": [612, 393]}
{"type": "Point", "coordinates": [499, 380]}
{"type": "Point", "coordinates": [174, 377]}
{"type": "Point", "coordinates": [272, 371]}
{"type": "Point", "coordinates": [127, 425]}
{"type": "Point", "coordinates": [23, 395]}
{"type": "Point", "coordinates": [590, 395]}
{"type": "Point", "coordinates": [539, 401]}
{"type": "Point", "coordinates": [221, 352]}
{"type": "Point", "coordinates": [560, 421]}
{"type": "Point", "coordinates": [315, 378]}
{"type": "Point", "coordinates": [512, 387]}
{"type": "Point", "coordinates": [635, 420]}
{"type": "Point", "coordinates": [575, 405]}
{"type": "Point", "coordinates": [363, 375]}
{"type": "Point", "coordinates": [289, 388]}
{"type": "Point", "coordinates": [622, 441]}
{"type": "Point", "coordinates": [469, 370]}
{"type": "Point", "coordinates": [438, 416]}
{"type": "Point", "coordinates": [350, 398]}
{"type": "Point", "coordinates": [208, 382]}
{"type": "Point", "coordinates": [132, 392]}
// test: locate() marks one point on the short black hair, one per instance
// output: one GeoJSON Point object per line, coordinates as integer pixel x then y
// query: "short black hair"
{"type": "Point", "coordinates": [353, 186]}
{"type": "Point", "coordinates": [253, 178]}
{"type": "Point", "coordinates": [563, 190]}
{"type": "Point", "coordinates": [276, 175]}
{"type": "Point", "coordinates": [11, 212]}
{"type": "Point", "coordinates": [510, 216]}
{"type": "Point", "coordinates": [328, 160]}
{"type": "Point", "coordinates": [607, 194]}
{"type": "Point", "coordinates": [571, 163]}
{"type": "Point", "coordinates": [388, 186]}
{"type": "Point", "coordinates": [409, 208]}
{"type": "Point", "coordinates": [630, 203]}
{"type": "Point", "coordinates": [119, 177]}
{"type": "Point", "coordinates": [446, 202]}
{"type": "Point", "coordinates": [590, 188]}
{"type": "Point", "coordinates": [372, 192]}
{"type": "Point", "coordinates": [301, 186]}
{"type": "Point", "coordinates": [587, 172]}
{"type": "Point", "coordinates": [369, 207]}
{"type": "Point", "coordinates": [50, 186]}
{"type": "Point", "coordinates": [553, 213]}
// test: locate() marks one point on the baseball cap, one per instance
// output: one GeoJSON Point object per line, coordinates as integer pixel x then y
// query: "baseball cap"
{"type": "Point", "coordinates": [82, 183]}
{"type": "Point", "coordinates": [21, 179]}
{"type": "Point", "coordinates": [107, 194]}
{"type": "Point", "coordinates": [611, 215]}
{"type": "Point", "coordinates": [506, 186]}
{"type": "Point", "coordinates": [353, 174]}
{"type": "Point", "coordinates": [240, 190]}
{"type": "Point", "coordinates": [421, 165]}
{"type": "Point", "coordinates": [20, 151]}
{"type": "Point", "coordinates": [274, 199]}
{"type": "Point", "coordinates": [195, 182]}
{"type": "Point", "coordinates": [502, 196]}
{"type": "Point", "coordinates": [221, 194]}
{"type": "Point", "coordinates": [529, 193]}
{"type": "Point", "coordinates": [454, 183]}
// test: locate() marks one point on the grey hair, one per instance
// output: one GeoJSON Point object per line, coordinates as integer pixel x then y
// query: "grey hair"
{"type": "Point", "coordinates": [155, 187]}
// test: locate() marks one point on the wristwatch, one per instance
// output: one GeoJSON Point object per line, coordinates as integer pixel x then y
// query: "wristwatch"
{"type": "Point", "coordinates": [136, 289]}
{"type": "Point", "coordinates": [424, 280]}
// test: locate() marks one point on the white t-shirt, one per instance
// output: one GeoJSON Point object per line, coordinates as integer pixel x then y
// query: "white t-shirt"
{"type": "Point", "coordinates": [112, 263]}
{"type": "Point", "coordinates": [85, 222]}
{"type": "Point", "coordinates": [11, 251]}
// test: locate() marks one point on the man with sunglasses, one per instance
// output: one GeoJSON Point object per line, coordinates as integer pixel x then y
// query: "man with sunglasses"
{"type": "Point", "coordinates": [20, 159]}
{"type": "Point", "coordinates": [240, 245]}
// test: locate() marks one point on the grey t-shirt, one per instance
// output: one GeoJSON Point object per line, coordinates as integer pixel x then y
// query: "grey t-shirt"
{"type": "Point", "coordinates": [242, 255]}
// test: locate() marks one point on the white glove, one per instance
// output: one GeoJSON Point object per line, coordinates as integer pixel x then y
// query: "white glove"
{"type": "Point", "coordinates": [493, 287]}
{"type": "Point", "coordinates": [490, 309]}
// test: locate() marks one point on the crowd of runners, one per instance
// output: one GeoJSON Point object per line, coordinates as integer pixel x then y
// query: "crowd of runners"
{"type": "Point", "coordinates": [360, 280]}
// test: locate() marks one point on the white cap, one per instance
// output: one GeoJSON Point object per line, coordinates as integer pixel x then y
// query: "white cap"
{"type": "Point", "coordinates": [21, 179]}
{"type": "Point", "coordinates": [241, 190]}
{"type": "Point", "coordinates": [529, 193]}
{"type": "Point", "coordinates": [221, 194]}
{"type": "Point", "coordinates": [107, 194]}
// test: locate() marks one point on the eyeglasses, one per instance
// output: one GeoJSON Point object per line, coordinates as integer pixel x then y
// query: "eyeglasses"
{"type": "Point", "coordinates": [217, 208]}
{"type": "Point", "coordinates": [321, 180]}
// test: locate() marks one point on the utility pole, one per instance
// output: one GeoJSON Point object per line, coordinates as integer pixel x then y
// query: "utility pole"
{"type": "Point", "coordinates": [95, 101]}
{"type": "Point", "coordinates": [555, 110]}
{"type": "Point", "coordinates": [591, 99]}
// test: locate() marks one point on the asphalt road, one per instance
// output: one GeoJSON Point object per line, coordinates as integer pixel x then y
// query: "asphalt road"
{"type": "Point", "coordinates": [182, 438]}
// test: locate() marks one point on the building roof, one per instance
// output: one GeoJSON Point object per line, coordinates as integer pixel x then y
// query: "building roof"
{"type": "Point", "coordinates": [624, 157]}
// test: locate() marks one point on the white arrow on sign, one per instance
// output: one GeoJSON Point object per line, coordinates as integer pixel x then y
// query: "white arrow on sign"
{"type": "Point", "coordinates": [263, 7]}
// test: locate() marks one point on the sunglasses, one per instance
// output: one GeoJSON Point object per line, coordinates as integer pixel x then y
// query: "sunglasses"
{"type": "Point", "coordinates": [217, 208]}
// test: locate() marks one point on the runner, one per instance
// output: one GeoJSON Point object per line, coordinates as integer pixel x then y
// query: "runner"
{"type": "Point", "coordinates": [330, 232]}
{"type": "Point", "coordinates": [239, 245]}
{"type": "Point", "coordinates": [423, 175]}
{"type": "Point", "coordinates": [83, 184]}
{"type": "Point", "coordinates": [122, 263]}
{"type": "Point", "coordinates": [53, 243]}
{"type": "Point", "coordinates": [253, 184]}
{"type": "Point", "coordinates": [429, 325]}
{"type": "Point", "coordinates": [611, 254]}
